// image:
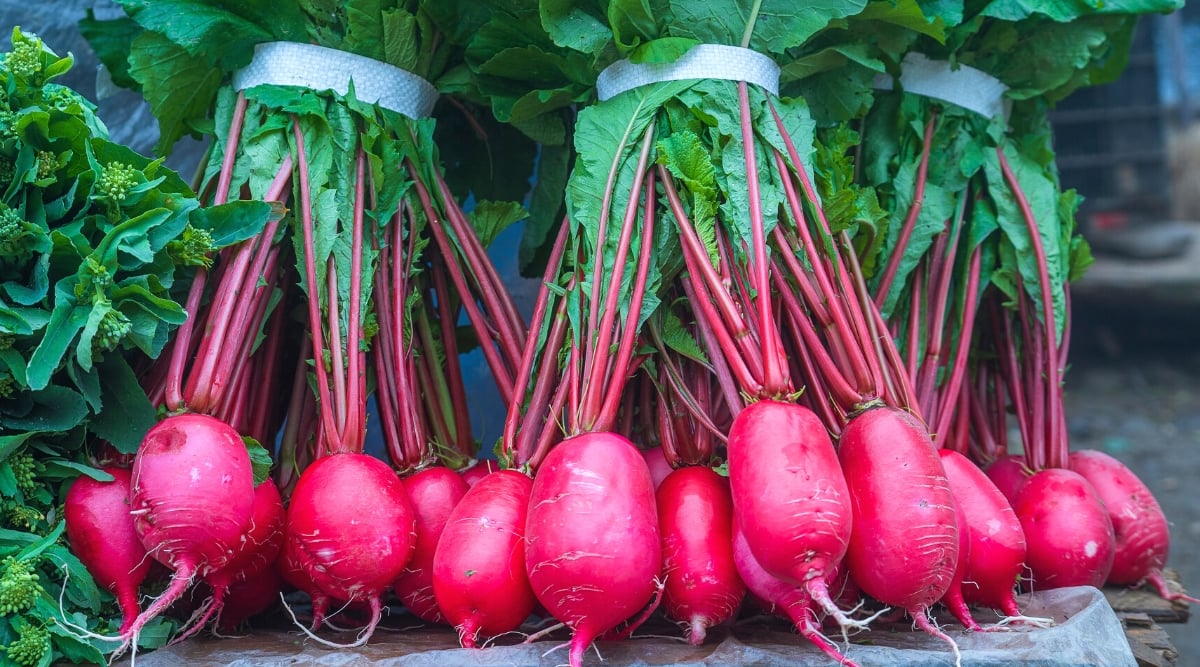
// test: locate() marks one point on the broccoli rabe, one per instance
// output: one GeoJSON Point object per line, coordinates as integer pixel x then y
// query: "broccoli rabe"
{"type": "Point", "coordinates": [25, 60]}
{"type": "Point", "coordinates": [192, 248]}
{"type": "Point", "coordinates": [19, 586]}
{"type": "Point", "coordinates": [116, 180]}
{"type": "Point", "coordinates": [31, 645]}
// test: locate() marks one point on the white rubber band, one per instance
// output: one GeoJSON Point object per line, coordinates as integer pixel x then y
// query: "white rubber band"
{"type": "Point", "coordinates": [963, 86]}
{"type": "Point", "coordinates": [703, 61]}
{"type": "Point", "coordinates": [323, 68]}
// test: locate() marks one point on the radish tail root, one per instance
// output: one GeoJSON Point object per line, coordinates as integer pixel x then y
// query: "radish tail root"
{"type": "Point", "coordinates": [808, 630]}
{"type": "Point", "coordinates": [953, 600]}
{"type": "Point", "coordinates": [580, 642]}
{"type": "Point", "coordinates": [921, 616]}
{"type": "Point", "coordinates": [697, 630]}
{"type": "Point", "coordinates": [180, 582]}
{"type": "Point", "coordinates": [818, 591]}
{"type": "Point", "coordinates": [1160, 584]}
{"type": "Point", "coordinates": [467, 632]}
{"type": "Point", "coordinates": [361, 640]}
{"type": "Point", "coordinates": [201, 617]}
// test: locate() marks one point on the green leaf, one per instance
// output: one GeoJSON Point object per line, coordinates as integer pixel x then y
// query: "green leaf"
{"type": "Point", "coordinates": [179, 86]}
{"type": "Point", "coordinates": [203, 26]}
{"type": "Point", "coordinates": [36, 548]}
{"type": "Point", "coordinates": [676, 337]}
{"type": "Point", "coordinates": [779, 26]}
{"type": "Point", "coordinates": [55, 409]}
{"type": "Point", "coordinates": [490, 218]}
{"type": "Point", "coordinates": [662, 50]}
{"type": "Point", "coordinates": [127, 413]}
{"type": "Point", "coordinates": [111, 40]}
{"type": "Point", "coordinates": [233, 221]}
{"type": "Point", "coordinates": [66, 321]}
{"type": "Point", "coordinates": [581, 26]}
{"type": "Point", "coordinates": [260, 459]}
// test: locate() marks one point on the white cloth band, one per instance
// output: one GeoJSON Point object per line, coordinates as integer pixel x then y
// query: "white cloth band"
{"type": "Point", "coordinates": [323, 68]}
{"type": "Point", "coordinates": [963, 86]}
{"type": "Point", "coordinates": [703, 61]}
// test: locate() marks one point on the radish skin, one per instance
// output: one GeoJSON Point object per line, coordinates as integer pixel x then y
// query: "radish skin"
{"type": "Point", "coordinates": [791, 496]}
{"type": "Point", "coordinates": [434, 493]}
{"type": "Point", "coordinates": [695, 515]}
{"type": "Point", "coordinates": [479, 578]}
{"type": "Point", "coordinates": [100, 531]}
{"type": "Point", "coordinates": [1067, 530]}
{"type": "Point", "coordinates": [904, 545]}
{"type": "Point", "coordinates": [192, 499]}
{"type": "Point", "coordinates": [1009, 473]}
{"type": "Point", "coordinates": [351, 526]}
{"type": "Point", "coordinates": [478, 470]}
{"type": "Point", "coordinates": [995, 557]}
{"type": "Point", "coordinates": [1143, 538]}
{"type": "Point", "coordinates": [656, 461]}
{"type": "Point", "coordinates": [777, 596]}
{"type": "Point", "coordinates": [249, 597]}
{"type": "Point", "coordinates": [593, 550]}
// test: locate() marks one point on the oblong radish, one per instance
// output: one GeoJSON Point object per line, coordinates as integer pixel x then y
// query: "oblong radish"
{"type": "Point", "coordinates": [656, 461]}
{"type": "Point", "coordinates": [100, 531]}
{"type": "Point", "coordinates": [790, 495]}
{"type": "Point", "coordinates": [780, 597]}
{"type": "Point", "coordinates": [352, 527]}
{"type": "Point", "coordinates": [479, 578]}
{"type": "Point", "coordinates": [995, 558]}
{"type": "Point", "coordinates": [904, 545]}
{"type": "Point", "coordinates": [434, 492]}
{"type": "Point", "coordinates": [695, 517]}
{"type": "Point", "coordinates": [1068, 533]}
{"type": "Point", "coordinates": [1143, 538]}
{"type": "Point", "coordinates": [249, 597]}
{"type": "Point", "coordinates": [593, 551]}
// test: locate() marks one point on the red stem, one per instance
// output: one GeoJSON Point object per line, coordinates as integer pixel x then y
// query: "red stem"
{"type": "Point", "coordinates": [1057, 451]}
{"type": "Point", "coordinates": [775, 381]}
{"type": "Point", "coordinates": [910, 222]}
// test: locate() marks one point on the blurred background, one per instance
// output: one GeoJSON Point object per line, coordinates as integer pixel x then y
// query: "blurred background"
{"type": "Point", "coordinates": [1132, 148]}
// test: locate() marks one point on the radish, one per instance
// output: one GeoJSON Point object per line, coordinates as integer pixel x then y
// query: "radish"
{"type": "Point", "coordinates": [593, 549]}
{"type": "Point", "coordinates": [780, 597]}
{"type": "Point", "coordinates": [352, 527]}
{"type": "Point", "coordinates": [479, 577]}
{"type": "Point", "coordinates": [478, 470]}
{"type": "Point", "coordinates": [434, 493]}
{"type": "Point", "coordinates": [695, 514]}
{"type": "Point", "coordinates": [904, 545]}
{"type": "Point", "coordinates": [657, 462]}
{"type": "Point", "coordinates": [995, 556]}
{"type": "Point", "coordinates": [1067, 530]}
{"type": "Point", "coordinates": [791, 497]}
{"type": "Point", "coordinates": [1143, 538]}
{"type": "Point", "coordinates": [100, 531]}
{"type": "Point", "coordinates": [249, 597]}
{"type": "Point", "coordinates": [290, 571]}
{"type": "Point", "coordinates": [192, 499]}
{"type": "Point", "coordinates": [258, 550]}
{"type": "Point", "coordinates": [1009, 473]}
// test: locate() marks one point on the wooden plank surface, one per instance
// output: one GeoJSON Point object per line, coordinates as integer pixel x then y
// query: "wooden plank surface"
{"type": "Point", "coordinates": [1146, 601]}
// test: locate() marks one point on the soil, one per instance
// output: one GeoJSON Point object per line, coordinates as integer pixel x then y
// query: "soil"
{"type": "Point", "coordinates": [1133, 392]}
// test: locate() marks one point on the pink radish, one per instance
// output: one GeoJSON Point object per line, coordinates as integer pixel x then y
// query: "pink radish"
{"type": "Point", "coordinates": [259, 549]}
{"type": "Point", "coordinates": [656, 461]}
{"type": "Point", "coordinates": [434, 493]}
{"type": "Point", "coordinates": [192, 499]}
{"type": "Point", "coordinates": [790, 495]}
{"type": "Point", "coordinates": [351, 526]}
{"type": "Point", "coordinates": [292, 573]}
{"type": "Point", "coordinates": [695, 515]}
{"type": "Point", "coordinates": [904, 546]}
{"type": "Point", "coordinates": [1143, 538]}
{"type": "Point", "coordinates": [100, 531]}
{"type": "Point", "coordinates": [1009, 473]}
{"type": "Point", "coordinates": [249, 597]}
{"type": "Point", "coordinates": [593, 550]}
{"type": "Point", "coordinates": [780, 597]}
{"type": "Point", "coordinates": [478, 470]}
{"type": "Point", "coordinates": [479, 577]}
{"type": "Point", "coordinates": [1067, 530]}
{"type": "Point", "coordinates": [995, 557]}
